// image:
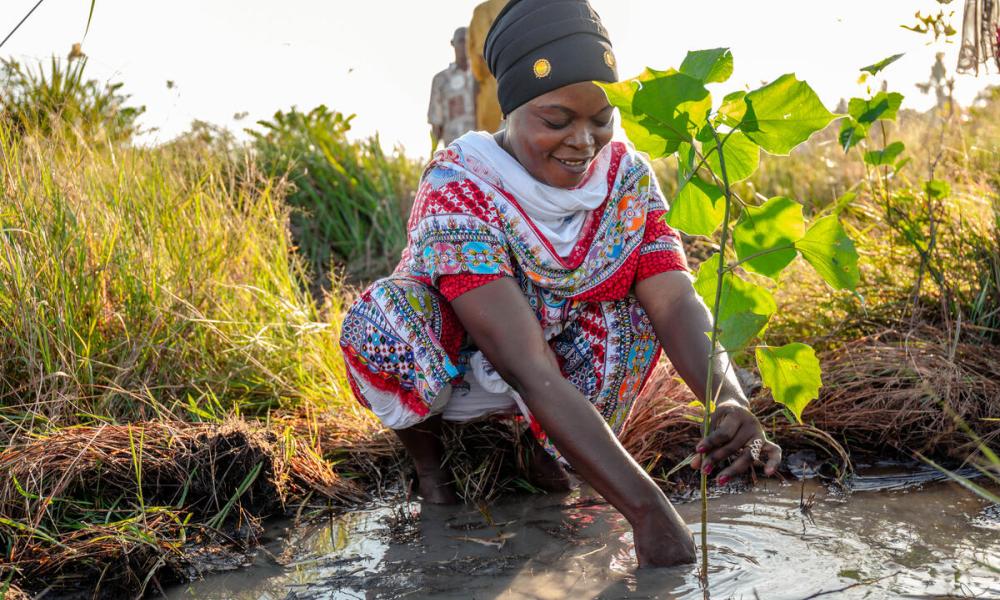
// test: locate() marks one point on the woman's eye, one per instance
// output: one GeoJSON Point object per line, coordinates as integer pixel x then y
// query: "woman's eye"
{"type": "Point", "coordinates": [552, 125]}
{"type": "Point", "coordinates": [602, 123]}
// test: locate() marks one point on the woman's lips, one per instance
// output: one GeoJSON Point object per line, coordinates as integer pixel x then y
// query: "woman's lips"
{"type": "Point", "coordinates": [577, 165]}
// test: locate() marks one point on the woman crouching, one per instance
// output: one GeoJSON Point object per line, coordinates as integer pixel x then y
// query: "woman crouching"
{"type": "Point", "coordinates": [540, 279]}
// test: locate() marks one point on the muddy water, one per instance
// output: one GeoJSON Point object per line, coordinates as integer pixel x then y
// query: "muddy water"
{"type": "Point", "coordinates": [903, 537]}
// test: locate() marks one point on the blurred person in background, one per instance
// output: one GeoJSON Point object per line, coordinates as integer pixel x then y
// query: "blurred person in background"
{"type": "Point", "coordinates": [488, 115]}
{"type": "Point", "coordinates": [452, 110]}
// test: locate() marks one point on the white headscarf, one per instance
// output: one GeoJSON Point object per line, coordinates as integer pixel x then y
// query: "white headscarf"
{"type": "Point", "coordinates": [558, 213]}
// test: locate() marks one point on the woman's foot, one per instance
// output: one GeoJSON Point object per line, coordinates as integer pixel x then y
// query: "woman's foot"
{"type": "Point", "coordinates": [435, 487]}
{"type": "Point", "coordinates": [545, 472]}
{"type": "Point", "coordinates": [423, 443]}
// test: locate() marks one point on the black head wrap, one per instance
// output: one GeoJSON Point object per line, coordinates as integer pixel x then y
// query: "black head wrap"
{"type": "Point", "coordinates": [536, 46]}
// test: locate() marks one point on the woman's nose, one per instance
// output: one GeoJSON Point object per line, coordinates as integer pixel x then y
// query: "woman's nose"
{"type": "Point", "coordinates": [582, 137]}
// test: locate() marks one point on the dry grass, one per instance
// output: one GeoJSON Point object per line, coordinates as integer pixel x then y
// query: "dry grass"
{"type": "Point", "coordinates": [120, 506]}
{"type": "Point", "coordinates": [884, 394]}
{"type": "Point", "coordinates": [903, 392]}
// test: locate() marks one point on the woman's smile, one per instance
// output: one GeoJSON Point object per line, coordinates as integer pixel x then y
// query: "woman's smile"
{"type": "Point", "coordinates": [575, 166]}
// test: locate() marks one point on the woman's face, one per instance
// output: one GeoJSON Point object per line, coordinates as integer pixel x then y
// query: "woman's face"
{"type": "Point", "coordinates": [557, 135]}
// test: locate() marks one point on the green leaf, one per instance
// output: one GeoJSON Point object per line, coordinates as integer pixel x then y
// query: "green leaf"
{"type": "Point", "coordinates": [739, 329]}
{"type": "Point", "coordinates": [621, 95]}
{"type": "Point", "coordinates": [886, 156]}
{"type": "Point", "coordinates": [783, 114]}
{"type": "Point", "coordinates": [851, 133]}
{"type": "Point", "coordinates": [660, 109]}
{"type": "Point", "coordinates": [744, 307]}
{"type": "Point", "coordinates": [829, 250]}
{"type": "Point", "coordinates": [792, 373]}
{"type": "Point", "coordinates": [732, 110]}
{"type": "Point", "coordinates": [937, 189]}
{"type": "Point", "coordinates": [885, 62]}
{"type": "Point", "coordinates": [674, 106]}
{"type": "Point", "coordinates": [709, 66]}
{"type": "Point", "coordinates": [774, 226]}
{"type": "Point", "coordinates": [843, 202]}
{"type": "Point", "coordinates": [882, 106]}
{"type": "Point", "coordinates": [90, 17]}
{"type": "Point", "coordinates": [698, 208]}
{"type": "Point", "coordinates": [742, 156]}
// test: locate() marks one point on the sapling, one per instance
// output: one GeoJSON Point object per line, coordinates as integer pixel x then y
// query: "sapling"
{"type": "Point", "coordinates": [671, 113]}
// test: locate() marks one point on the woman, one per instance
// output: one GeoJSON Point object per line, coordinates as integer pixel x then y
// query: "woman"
{"type": "Point", "coordinates": [540, 279]}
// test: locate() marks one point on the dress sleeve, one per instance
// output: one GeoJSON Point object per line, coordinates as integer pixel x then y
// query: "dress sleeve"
{"type": "Point", "coordinates": [662, 249]}
{"type": "Point", "coordinates": [455, 231]}
{"type": "Point", "coordinates": [453, 286]}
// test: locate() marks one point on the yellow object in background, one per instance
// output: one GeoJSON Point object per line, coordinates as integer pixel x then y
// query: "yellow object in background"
{"type": "Point", "coordinates": [488, 115]}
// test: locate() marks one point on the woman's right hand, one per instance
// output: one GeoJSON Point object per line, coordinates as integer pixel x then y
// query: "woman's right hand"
{"type": "Point", "coordinates": [662, 539]}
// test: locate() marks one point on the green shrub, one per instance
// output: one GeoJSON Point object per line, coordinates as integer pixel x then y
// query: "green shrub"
{"type": "Point", "coordinates": [40, 102]}
{"type": "Point", "coordinates": [352, 199]}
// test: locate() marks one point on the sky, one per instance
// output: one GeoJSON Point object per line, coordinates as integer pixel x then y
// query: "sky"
{"type": "Point", "coordinates": [376, 58]}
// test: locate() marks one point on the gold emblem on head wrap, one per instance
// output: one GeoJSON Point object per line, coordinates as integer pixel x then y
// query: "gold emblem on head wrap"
{"type": "Point", "coordinates": [542, 68]}
{"type": "Point", "coordinates": [609, 59]}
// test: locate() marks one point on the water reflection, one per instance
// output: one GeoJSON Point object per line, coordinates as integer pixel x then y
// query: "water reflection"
{"type": "Point", "coordinates": [912, 541]}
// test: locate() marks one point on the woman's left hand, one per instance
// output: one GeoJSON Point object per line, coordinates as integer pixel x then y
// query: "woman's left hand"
{"type": "Point", "coordinates": [734, 431]}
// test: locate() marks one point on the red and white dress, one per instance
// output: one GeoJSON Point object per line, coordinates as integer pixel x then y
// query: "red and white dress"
{"type": "Point", "coordinates": [576, 255]}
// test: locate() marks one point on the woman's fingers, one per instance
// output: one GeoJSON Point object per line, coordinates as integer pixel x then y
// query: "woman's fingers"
{"type": "Point", "coordinates": [740, 439]}
{"type": "Point", "coordinates": [722, 434]}
{"type": "Point", "coordinates": [723, 430]}
{"type": "Point", "coordinates": [741, 464]}
{"type": "Point", "coordinates": [773, 453]}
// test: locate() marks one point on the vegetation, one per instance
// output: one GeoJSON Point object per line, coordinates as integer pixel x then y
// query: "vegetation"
{"type": "Point", "coordinates": [130, 288]}
{"type": "Point", "coordinates": [62, 99]}
{"type": "Point", "coordinates": [146, 295]}
{"type": "Point", "coordinates": [163, 320]}
{"type": "Point", "coordinates": [351, 198]}
{"type": "Point", "coordinates": [671, 112]}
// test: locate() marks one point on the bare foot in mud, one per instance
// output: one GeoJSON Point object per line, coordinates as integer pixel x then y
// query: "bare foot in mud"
{"type": "Point", "coordinates": [545, 472]}
{"type": "Point", "coordinates": [435, 487]}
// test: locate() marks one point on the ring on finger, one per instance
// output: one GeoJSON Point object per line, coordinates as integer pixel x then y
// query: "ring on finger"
{"type": "Point", "coordinates": [755, 447]}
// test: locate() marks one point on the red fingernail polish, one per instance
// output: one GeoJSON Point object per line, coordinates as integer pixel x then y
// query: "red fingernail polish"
{"type": "Point", "coordinates": [707, 469]}
{"type": "Point", "coordinates": [699, 449]}
{"type": "Point", "coordinates": [723, 480]}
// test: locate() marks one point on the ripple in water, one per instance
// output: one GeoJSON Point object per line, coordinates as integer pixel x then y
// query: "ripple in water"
{"type": "Point", "coordinates": [876, 544]}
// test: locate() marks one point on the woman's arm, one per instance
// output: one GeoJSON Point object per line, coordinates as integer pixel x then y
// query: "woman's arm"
{"type": "Point", "coordinates": [503, 326]}
{"type": "Point", "coordinates": [680, 320]}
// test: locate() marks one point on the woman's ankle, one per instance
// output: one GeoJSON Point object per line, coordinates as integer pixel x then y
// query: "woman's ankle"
{"type": "Point", "coordinates": [544, 471]}
{"type": "Point", "coordinates": [435, 486]}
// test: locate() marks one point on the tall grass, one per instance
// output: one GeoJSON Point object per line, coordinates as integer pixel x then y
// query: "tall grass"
{"type": "Point", "coordinates": [351, 197]}
{"type": "Point", "coordinates": [136, 281]}
{"type": "Point", "coordinates": [141, 286]}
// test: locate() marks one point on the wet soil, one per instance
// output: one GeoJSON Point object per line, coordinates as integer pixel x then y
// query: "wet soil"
{"type": "Point", "coordinates": [898, 535]}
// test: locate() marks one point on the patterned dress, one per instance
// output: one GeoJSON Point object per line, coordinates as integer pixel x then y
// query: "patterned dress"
{"type": "Point", "coordinates": [408, 356]}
